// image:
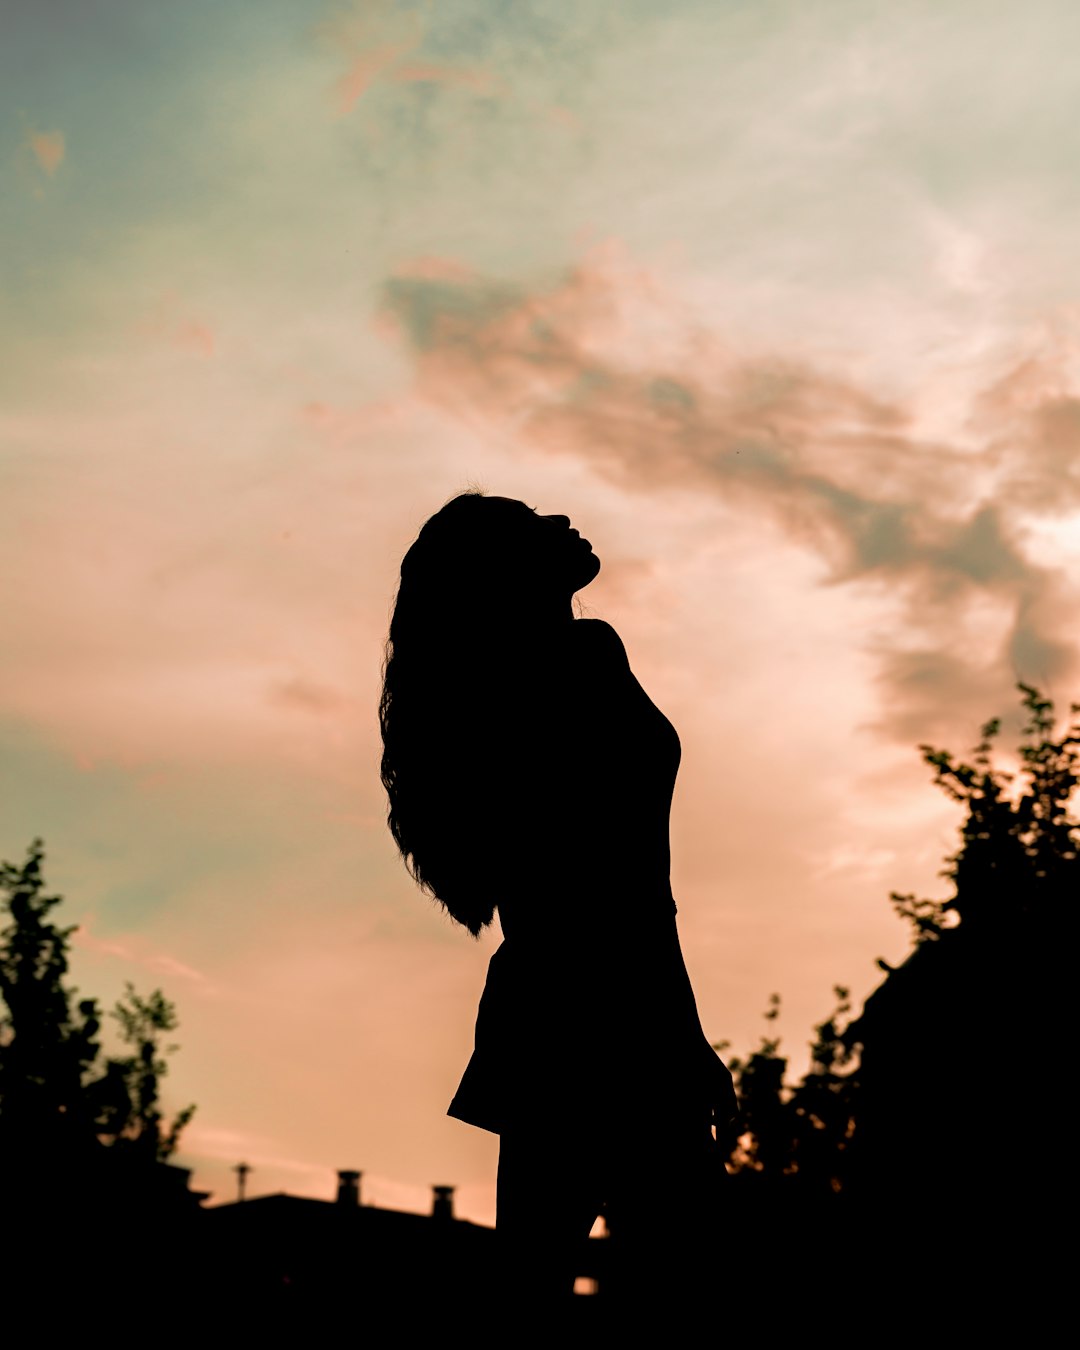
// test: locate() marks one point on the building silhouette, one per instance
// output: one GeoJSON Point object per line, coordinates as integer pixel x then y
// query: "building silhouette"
{"type": "Point", "coordinates": [293, 1255]}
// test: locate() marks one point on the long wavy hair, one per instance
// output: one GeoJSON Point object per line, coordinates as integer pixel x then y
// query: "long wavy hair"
{"type": "Point", "coordinates": [461, 662]}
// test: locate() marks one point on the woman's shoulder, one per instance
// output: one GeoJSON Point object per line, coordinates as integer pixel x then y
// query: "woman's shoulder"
{"type": "Point", "coordinates": [598, 634]}
{"type": "Point", "coordinates": [597, 644]}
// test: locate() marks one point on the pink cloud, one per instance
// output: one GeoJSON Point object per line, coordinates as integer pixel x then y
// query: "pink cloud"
{"type": "Point", "coordinates": [308, 695]}
{"type": "Point", "coordinates": [255, 1149]}
{"type": "Point", "coordinates": [133, 950]}
{"type": "Point", "coordinates": [606, 366]}
{"type": "Point", "coordinates": [437, 269]}
{"type": "Point", "coordinates": [341, 425]}
{"type": "Point", "coordinates": [480, 81]}
{"type": "Point", "coordinates": [1030, 419]}
{"type": "Point", "coordinates": [193, 336]}
{"type": "Point", "coordinates": [364, 70]}
{"type": "Point", "coordinates": [49, 148]}
{"type": "Point", "coordinates": [372, 38]}
{"type": "Point", "coordinates": [170, 322]}
{"type": "Point", "coordinates": [563, 117]}
{"type": "Point", "coordinates": [376, 39]}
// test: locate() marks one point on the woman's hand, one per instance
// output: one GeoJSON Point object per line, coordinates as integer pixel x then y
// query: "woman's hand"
{"type": "Point", "coordinates": [723, 1102]}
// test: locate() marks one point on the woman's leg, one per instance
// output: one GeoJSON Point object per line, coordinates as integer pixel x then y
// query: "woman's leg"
{"type": "Point", "coordinates": [547, 1200]}
{"type": "Point", "coordinates": [665, 1212]}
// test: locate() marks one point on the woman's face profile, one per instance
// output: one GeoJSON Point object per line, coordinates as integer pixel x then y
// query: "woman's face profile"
{"type": "Point", "coordinates": [550, 545]}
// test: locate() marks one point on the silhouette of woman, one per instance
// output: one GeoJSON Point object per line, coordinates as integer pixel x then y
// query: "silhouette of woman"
{"type": "Point", "coordinates": [529, 773]}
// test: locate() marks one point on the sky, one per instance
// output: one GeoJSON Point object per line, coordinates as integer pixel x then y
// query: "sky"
{"type": "Point", "coordinates": [780, 303]}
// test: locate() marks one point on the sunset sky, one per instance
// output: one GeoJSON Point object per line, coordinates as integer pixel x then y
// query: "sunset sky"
{"type": "Point", "coordinates": [779, 301]}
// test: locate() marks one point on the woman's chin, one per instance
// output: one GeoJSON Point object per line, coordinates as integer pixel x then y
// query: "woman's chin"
{"type": "Point", "coordinates": [588, 572]}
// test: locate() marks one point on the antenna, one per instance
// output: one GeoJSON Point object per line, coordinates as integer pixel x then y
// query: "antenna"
{"type": "Point", "coordinates": [241, 1170]}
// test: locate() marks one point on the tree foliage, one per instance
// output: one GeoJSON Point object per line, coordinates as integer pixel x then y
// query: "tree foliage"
{"type": "Point", "coordinates": [62, 1100]}
{"type": "Point", "coordinates": [930, 1089]}
{"type": "Point", "coordinates": [143, 1022]}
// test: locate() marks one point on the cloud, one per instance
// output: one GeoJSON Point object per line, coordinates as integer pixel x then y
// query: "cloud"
{"type": "Point", "coordinates": [1030, 420]}
{"type": "Point", "coordinates": [363, 71]}
{"type": "Point", "coordinates": [134, 951]}
{"type": "Point", "coordinates": [853, 859]}
{"type": "Point", "coordinates": [307, 695]}
{"type": "Point", "coordinates": [377, 39]}
{"type": "Point", "coordinates": [256, 1149]}
{"type": "Point", "coordinates": [477, 80]}
{"type": "Point", "coordinates": [168, 321]}
{"type": "Point", "coordinates": [270, 1167]}
{"type": "Point", "coordinates": [605, 365]}
{"type": "Point", "coordinates": [371, 37]}
{"type": "Point", "coordinates": [49, 149]}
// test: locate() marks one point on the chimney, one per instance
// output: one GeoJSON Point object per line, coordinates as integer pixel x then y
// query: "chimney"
{"type": "Point", "coordinates": [348, 1188]}
{"type": "Point", "coordinates": [442, 1205]}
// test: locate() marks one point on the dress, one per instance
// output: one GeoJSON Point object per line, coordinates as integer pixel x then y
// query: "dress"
{"type": "Point", "coordinates": [587, 1010]}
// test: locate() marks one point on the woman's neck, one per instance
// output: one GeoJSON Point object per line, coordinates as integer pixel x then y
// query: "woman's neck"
{"type": "Point", "coordinates": [553, 614]}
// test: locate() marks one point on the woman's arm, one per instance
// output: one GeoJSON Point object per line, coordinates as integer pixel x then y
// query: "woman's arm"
{"type": "Point", "coordinates": [609, 667]}
{"type": "Point", "coordinates": [720, 1087]}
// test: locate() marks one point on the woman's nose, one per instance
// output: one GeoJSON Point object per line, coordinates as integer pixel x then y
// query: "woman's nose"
{"type": "Point", "coordinates": [560, 520]}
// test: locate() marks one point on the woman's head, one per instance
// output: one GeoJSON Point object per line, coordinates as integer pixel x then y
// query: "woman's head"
{"type": "Point", "coordinates": [486, 582]}
{"type": "Point", "coordinates": [497, 558]}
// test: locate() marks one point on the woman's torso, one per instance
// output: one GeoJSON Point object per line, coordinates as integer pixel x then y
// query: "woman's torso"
{"type": "Point", "coordinates": [586, 789]}
{"type": "Point", "coordinates": [587, 995]}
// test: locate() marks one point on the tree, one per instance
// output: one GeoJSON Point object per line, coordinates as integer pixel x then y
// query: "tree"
{"type": "Point", "coordinates": [935, 1095]}
{"type": "Point", "coordinates": [142, 1024]}
{"type": "Point", "coordinates": [762, 1149]}
{"type": "Point", "coordinates": [64, 1108]}
{"type": "Point", "coordinates": [796, 1135]}
{"type": "Point", "coordinates": [823, 1108]}
{"type": "Point", "coordinates": [927, 1152]}
{"type": "Point", "coordinates": [961, 1047]}
{"type": "Point", "coordinates": [47, 1050]}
